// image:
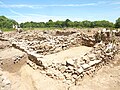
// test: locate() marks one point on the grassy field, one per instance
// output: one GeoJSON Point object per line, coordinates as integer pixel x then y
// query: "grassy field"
{"type": "Point", "coordinates": [7, 29]}
{"type": "Point", "coordinates": [51, 28]}
{"type": "Point", "coordinates": [25, 29]}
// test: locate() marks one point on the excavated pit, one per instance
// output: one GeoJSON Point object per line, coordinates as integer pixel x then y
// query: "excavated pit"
{"type": "Point", "coordinates": [66, 56]}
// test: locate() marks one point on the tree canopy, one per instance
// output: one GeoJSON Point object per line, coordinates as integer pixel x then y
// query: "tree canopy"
{"type": "Point", "coordinates": [68, 23]}
{"type": "Point", "coordinates": [117, 24]}
{"type": "Point", "coordinates": [7, 23]}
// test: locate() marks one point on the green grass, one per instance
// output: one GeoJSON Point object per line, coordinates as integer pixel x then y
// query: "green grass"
{"type": "Point", "coordinates": [25, 29]}
{"type": "Point", "coordinates": [7, 29]}
{"type": "Point", "coordinates": [51, 28]}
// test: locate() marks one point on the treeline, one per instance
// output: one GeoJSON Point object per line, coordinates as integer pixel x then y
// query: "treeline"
{"type": "Point", "coordinates": [8, 23]}
{"type": "Point", "coordinates": [69, 23]}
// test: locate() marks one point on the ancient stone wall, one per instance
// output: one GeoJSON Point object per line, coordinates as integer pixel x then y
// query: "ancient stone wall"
{"type": "Point", "coordinates": [45, 43]}
{"type": "Point", "coordinates": [75, 69]}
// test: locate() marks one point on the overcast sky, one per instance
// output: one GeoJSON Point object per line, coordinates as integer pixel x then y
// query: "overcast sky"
{"type": "Point", "coordinates": [75, 10]}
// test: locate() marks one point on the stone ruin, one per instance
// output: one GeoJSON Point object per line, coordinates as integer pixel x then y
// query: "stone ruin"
{"type": "Point", "coordinates": [74, 69]}
{"type": "Point", "coordinates": [51, 42]}
{"type": "Point", "coordinates": [37, 44]}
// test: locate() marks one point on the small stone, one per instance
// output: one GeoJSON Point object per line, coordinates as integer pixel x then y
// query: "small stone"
{"type": "Point", "coordinates": [30, 63]}
{"type": "Point", "coordinates": [68, 76]}
{"type": "Point", "coordinates": [74, 76]}
{"type": "Point", "coordinates": [91, 56]}
{"type": "Point", "coordinates": [80, 70]}
{"type": "Point", "coordinates": [86, 59]}
{"type": "Point", "coordinates": [68, 82]}
{"type": "Point", "coordinates": [70, 68]}
{"type": "Point", "coordinates": [70, 62]}
{"type": "Point", "coordinates": [61, 77]}
{"type": "Point", "coordinates": [85, 66]}
{"type": "Point", "coordinates": [3, 77]}
{"type": "Point", "coordinates": [43, 72]}
{"type": "Point", "coordinates": [62, 69]}
{"type": "Point", "coordinates": [50, 72]}
{"type": "Point", "coordinates": [91, 63]}
{"type": "Point", "coordinates": [6, 82]}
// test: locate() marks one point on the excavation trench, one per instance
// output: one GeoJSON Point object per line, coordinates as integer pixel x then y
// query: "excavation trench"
{"type": "Point", "coordinates": [58, 68]}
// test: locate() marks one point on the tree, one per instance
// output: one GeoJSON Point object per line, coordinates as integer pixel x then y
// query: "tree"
{"type": "Point", "coordinates": [41, 25]}
{"type": "Point", "coordinates": [50, 23]}
{"type": "Point", "coordinates": [86, 23]}
{"type": "Point", "coordinates": [68, 23]}
{"type": "Point", "coordinates": [76, 24]}
{"type": "Point", "coordinates": [59, 24]}
{"type": "Point", "coordinates": [117, 24]}
{"type": "Point", "coordinates": [6, 23]}
{"type": "Point", "coordinates": [102, 23]}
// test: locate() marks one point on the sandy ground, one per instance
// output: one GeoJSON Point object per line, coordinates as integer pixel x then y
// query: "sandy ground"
{"type": "Point", "coordinates": [28, 79]}
{"type": "Point", "coordinates": [106, 79]}
{"type": "Point", "coordinates": [23, 77]}
{"type": "Point", "coordinates": [61, 57]}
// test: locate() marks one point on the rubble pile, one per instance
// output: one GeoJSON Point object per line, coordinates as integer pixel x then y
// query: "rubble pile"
{"type": "Point", "coordinates": [75, 69]}
{"type": "Point", "coordinates": [4, 82]}
{"type": "Point", "coordinates": [117, 33]}
{"type": "Point", "coordinates": [4, 44]}
{"type": "Point", "coordinates": [17, 58]}
{"type": "Point", "coordinates": [51, 42]}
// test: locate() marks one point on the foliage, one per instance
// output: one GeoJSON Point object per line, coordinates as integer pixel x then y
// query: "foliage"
{"type": "Point", "coordinates": [6, 23]}
{"type": "Point", "coordinates": [102, 23]}
{"type": "Point", "coordinates": [117, 24]}
{"type": "Point", "coordinates": [68, 23]}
